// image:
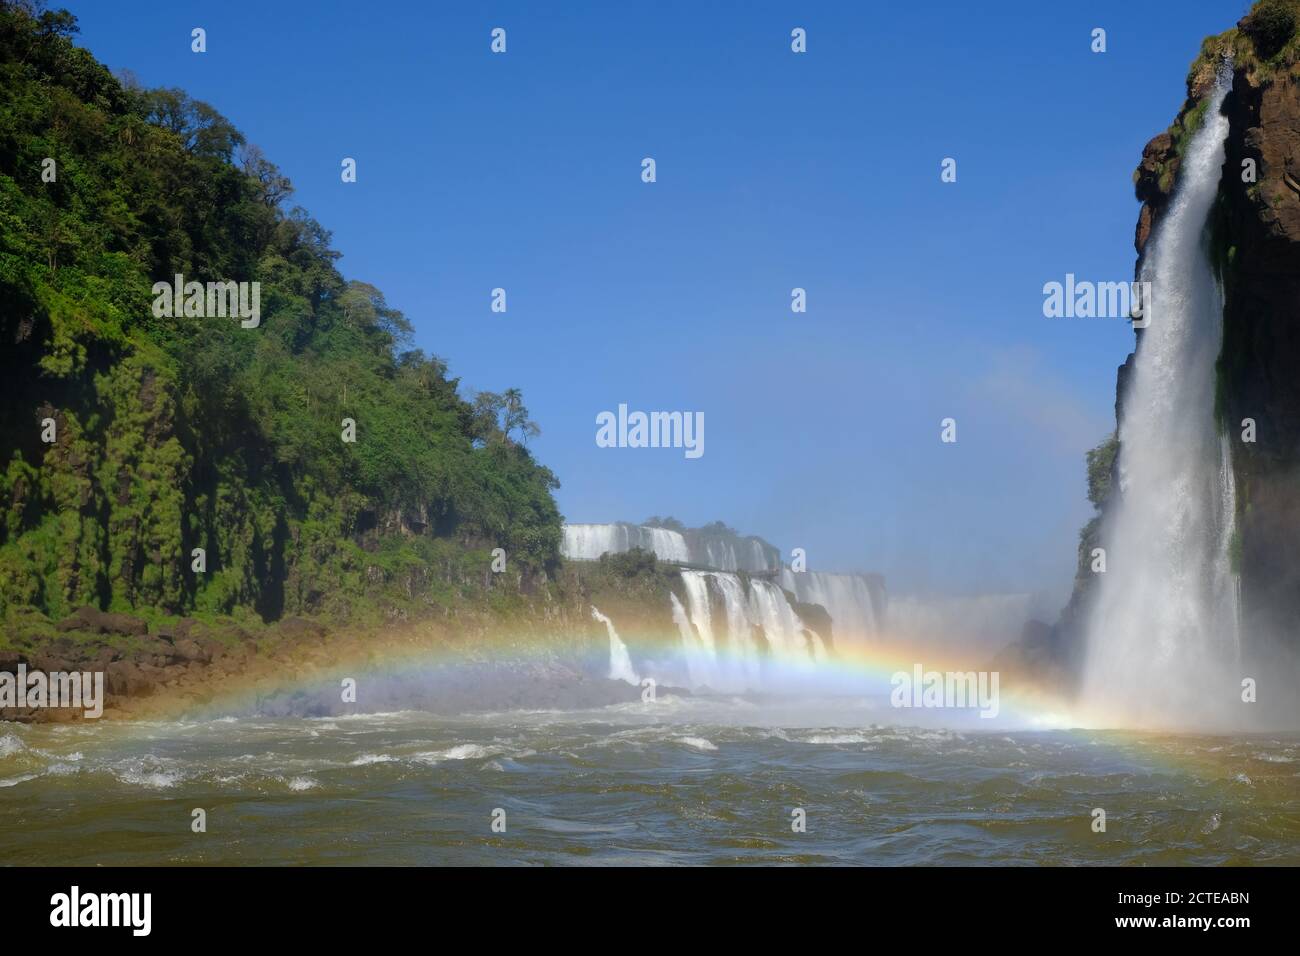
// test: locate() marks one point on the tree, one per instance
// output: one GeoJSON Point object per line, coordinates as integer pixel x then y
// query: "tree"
{"type": "Point", "coordinates": [486, 418]}
{"type": "Point", "coordinates": [516, 416]}
{"type": "Point", "coordinates": [202, 130]}
{"type": "Point", "coordinates": [182, 434]}
{"type": "Point", "coordinates": [671, 523]}
{"type": "Point", "coordinates": [365, 307]}
{"type": "Point", "coordinates": [499, 416]}
{"type": "Point", "coordinates": [272, 185]}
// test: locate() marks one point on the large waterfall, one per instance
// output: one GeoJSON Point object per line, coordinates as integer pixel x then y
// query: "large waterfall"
{"type": "Point", "coordinates": [1162, 634]}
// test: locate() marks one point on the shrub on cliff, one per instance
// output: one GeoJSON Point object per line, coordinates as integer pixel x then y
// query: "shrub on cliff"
{"type": "Point", "coordinates": [1101, 466]}
{"type": "Point", "coordinates": [1270, 26]}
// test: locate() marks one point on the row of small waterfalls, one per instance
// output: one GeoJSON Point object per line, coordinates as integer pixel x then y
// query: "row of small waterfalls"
{"type": "Point", "coordinates": [738, 615]}
{"type": "Point", "coordinates": [736, 618]}
{"type": "Point", "coordinates": [731, 630]}
{"type": "Point", "coordinates": [587, 542]}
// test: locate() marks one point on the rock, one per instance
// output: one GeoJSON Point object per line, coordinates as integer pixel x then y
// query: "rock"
{"type": "Point", "coordinates": [94, 621]}
{"type": "Point", "coordinates": [179, 631]}
{"type": "Point", "coordinates": [297, 628]}
{"type": "Point", "coordinates": [156, 651]}
{"type": "Point", "coordinates": [213, 648]}
{"type": "Point", "coordinates": [190, 650]}
{"type": "Point", "coordinates": [1260, 361]}
{"type": "Point", "coordinates": [49, 663]}
{"type": "Point", "coordinates": [103, 657]}
{"type": "Point", "coordinates": [172, 673]}
{"type": "Point", "coordinates": [126, 679]}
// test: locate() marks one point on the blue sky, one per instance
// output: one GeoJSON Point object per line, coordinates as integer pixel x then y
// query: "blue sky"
{"type": "Point", "coordinates": [775, 170]}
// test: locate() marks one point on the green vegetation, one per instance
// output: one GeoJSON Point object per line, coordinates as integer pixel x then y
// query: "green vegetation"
{"type": "Point", "coordinates": [671, 523]}
{"type": "Point", "coordinates": [177, 434]}
{"type": "Point", "coordinates": [1187, 125]}
{"type": "Point", "coordinates": [1265, 41]}
{"type": "Point", "coordinates": [1101, 470]}
{"type": "Point", "coordinates": [634, 563]}
{"type": "Point", "coordinates": [1264, 45]}
{"type": "Point", "coordinates": [1272, 26]}
{"type": "Point", "coordinates": [1101, 465]}
{"type": "Point", "coordinates": [632, 587]}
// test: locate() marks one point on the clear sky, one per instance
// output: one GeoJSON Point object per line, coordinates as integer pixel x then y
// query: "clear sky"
{"type": "Point", "coordinates": [775, 170]}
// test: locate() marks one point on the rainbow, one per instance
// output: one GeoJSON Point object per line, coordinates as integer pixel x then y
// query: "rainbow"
{"type": "Point", "coordinates": [863, 669]}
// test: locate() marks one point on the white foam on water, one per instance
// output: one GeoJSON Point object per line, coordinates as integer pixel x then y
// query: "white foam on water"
{"type": "Point", "coordinates": [367, 759]}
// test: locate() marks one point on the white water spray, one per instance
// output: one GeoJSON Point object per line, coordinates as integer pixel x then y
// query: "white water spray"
{"type": "Point", "coordinates": [735, 651]}
{"type": "Point", "coordinates": [852, 601]}
{"type": "Point", "coordinates": [587, 542]}
{"type": "Point", "coordinates": [1163, 628]}
{"type": "Point", "coordinates": [699, 658]}
{"type": "Point", "coordinates": [620, 661]}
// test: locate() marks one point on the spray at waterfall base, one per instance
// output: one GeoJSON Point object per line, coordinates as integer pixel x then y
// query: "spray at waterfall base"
{"type": "Point", "coordinates": [1164, 645]}
{"type": "Point", "coordinates": [595, 663]}
{"type": "Point", "coordinates": [770, 674]}
{"type": "Point", "coordinates": [696, 636]}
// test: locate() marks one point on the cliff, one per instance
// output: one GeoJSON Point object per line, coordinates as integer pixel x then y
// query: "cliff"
{"type": "Point", "coordinates": [1254, 237]}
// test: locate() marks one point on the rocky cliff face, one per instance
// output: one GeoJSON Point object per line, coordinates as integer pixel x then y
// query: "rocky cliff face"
{"type": "Point", "coordinates": [1259, 369]}
{"type": "Point", "coordinates": [1254, 232]}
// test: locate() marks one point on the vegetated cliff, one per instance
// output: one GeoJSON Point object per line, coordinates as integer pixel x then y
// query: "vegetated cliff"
{"type": "Point", "coordinates": [1254, 234]}
{"type": "Point", "coordinates": [176, 434]}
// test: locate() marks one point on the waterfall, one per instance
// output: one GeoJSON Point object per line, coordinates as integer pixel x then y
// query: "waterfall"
{"type": "Point", "coordinates": [620, 662]}
{"type": "Point", "coordinates": [742, 648]}
{"type": "Point", "coordinates": [705, 548]}
{"type": "Point", "coordinates": [786, 634]}
{"type": "Point", "coordinates": [1164, 620]}
{"type": "Point", "coordinates": [732, 650]}
{"type": "Point", "coordinates": [855, 602]}
{"type": "Point", "coordinates": [666, 544]}
{"type": "Point", "coordinates": [587, 542]}
{"type": "Point", "coordinates": [746, 555]}
{"type": "Point", "coordinates": [699, 657]}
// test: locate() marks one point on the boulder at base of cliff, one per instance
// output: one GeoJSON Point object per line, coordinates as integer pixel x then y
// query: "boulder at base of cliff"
{"type": "Point", "coordinates": [126, 679]}
{"type": "Point", "coordinates": [94, 621]}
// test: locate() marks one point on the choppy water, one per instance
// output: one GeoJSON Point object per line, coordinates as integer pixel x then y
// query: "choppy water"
{"type": "Point", "coordinates": [714, 784]}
